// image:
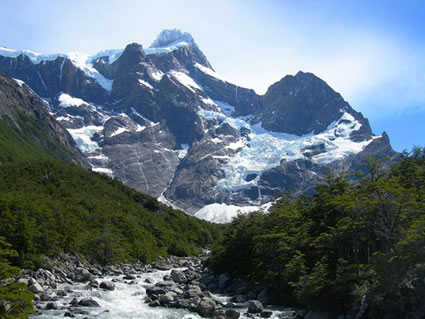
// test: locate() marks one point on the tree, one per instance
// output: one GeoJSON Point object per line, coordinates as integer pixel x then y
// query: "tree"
{"type": "Point", "coordinates": [15, 299]}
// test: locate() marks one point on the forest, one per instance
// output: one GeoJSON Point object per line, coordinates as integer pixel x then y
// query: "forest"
{"type": "Point", "coordinates": [349, 243]}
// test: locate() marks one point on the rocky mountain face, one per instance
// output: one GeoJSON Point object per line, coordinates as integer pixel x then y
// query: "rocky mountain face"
{"type": "Point", "coordinates": [161, 120]}
{"type": "Point", "coordinates": [28, 131]}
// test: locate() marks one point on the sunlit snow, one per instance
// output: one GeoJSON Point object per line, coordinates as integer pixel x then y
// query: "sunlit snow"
{"type": "Point", "coordinates": [19, 82]}
{"type": "Point", "coordinates": [119, 131]}
{"type": "Point", "coordinates": [186, 80]}
{"type": "Point", "coordinates": [210, 72]}
{"type": "Point", "coordinates": [80, 60]}
{"type": "Point", "coordinates": [145, 84]}
{"type": "Point", "coordinates": [182, 153]}
{"type": "Point", "coordinates": [265, 149]}
{"type": "Point", "coordinates": [66, 100]}
{"type": "Point", "coordinates": [223, 213]}
{"type": "Point", "coordinates": [82, 136]}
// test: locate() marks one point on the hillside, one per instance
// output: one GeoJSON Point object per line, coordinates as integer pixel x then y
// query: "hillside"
{"type": "Point", "coordinates": [28, 131]}
{"type": "Point", "coordinates": [49, 207]}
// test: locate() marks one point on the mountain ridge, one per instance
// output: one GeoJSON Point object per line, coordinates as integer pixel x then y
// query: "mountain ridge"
{"type": "Point", "coordinates": [170, 126]}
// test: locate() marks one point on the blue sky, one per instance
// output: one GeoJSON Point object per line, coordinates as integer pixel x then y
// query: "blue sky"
{"type": "Point", "coordinates": [372, 52]}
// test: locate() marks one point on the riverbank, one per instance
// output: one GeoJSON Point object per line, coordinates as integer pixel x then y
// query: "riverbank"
{"type": "Point", "coordinates": [176, 287]}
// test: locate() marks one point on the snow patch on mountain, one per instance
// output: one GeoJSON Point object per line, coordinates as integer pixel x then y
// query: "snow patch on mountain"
{"type": "Point", "coordinates": [186, 80]}
{"type": "Point", "coordinates": [169, 40]}
{"type": "Point", "coordinates": [265, 149]}
{"type": "Point", "coordinates": [211, 73]}
{"type": "Point", "coordinates": [80, 60]}
{"type": "Point", "coordinates": [102, 170]}
{"type": "Point", "coordinates": [145, 84]}
{"type": "Point", "coordinates": [119, 131]}
{"type": "Point", "coordinates": [112, 55]}
{"type": "Point", "coordinates": [19, 82]}
{"type": "Point", "coordinates": [183, 152]}
{"type": "Point", "coordinates": [156, 75]}
{"type": "Point", "coordinates": [83, 137]}
{"type": "Point", "coordinates": [66, 100]}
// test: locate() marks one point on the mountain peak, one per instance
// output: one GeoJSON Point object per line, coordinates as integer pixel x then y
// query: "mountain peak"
{"type": "Point", "coordinates": [172, 37]}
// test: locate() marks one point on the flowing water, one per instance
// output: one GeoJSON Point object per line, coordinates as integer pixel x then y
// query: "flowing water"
{"type": "Point", "coordinates": [126, 301]}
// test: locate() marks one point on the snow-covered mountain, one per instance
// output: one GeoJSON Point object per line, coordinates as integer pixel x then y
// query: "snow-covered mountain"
{"type": "Point", "coordinates": [163, 121]}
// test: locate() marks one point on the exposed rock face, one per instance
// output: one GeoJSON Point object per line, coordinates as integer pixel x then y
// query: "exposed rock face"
{"type": "Point", "coordinates": [162, 121]}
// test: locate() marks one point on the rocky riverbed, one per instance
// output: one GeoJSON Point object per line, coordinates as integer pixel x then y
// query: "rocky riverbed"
{"type": "Point", "coordinates": [171, 288]}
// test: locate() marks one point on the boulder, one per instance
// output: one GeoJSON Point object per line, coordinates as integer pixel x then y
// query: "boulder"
{"type": "Point", "coordinates": [155, 290]}
{"type": "Point", "coordinates": [178, 276]}
{"type": "Point", "coordinates": [36, 288]}
{"type": "Point", "coordinates": [154, 303]}
{"type": "Point", "coordinates": [255, 306]}
{"type": "Point", "coordinates": [51, 306]}
{"type": "Point", "coordinates": [107, 285]}
{"type": "Point", "coordinates": [206, 307]}
{"type": "Point", "coordinates": [83, 275]}
{"type": "Point", "coordinates": [167, 298]}
{"type": "Point", "coordinates": [266, 297]}
{"type": "Point", "coordinates": [266, 314]}
{"type": "Point", "coordinates": [232, 314]}
{"type": "Point", "coordinates": [88, 302]}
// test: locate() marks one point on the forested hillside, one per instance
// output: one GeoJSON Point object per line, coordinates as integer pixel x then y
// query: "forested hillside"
{"type": "Point", "coordinates": [49, 207]}
{"type": "Point", "coordinates": [346, 244]}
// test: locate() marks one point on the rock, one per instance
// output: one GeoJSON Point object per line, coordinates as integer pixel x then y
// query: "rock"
{"type": "Point", "coordinates": [266, 297]}
{"type": "Point", "coordinates": [255, 306]}
{"type": "Point", "coordinates": [83, 275]}
{"type": "Point", "coordinates": [78, 311]}
{"type": "Point", "coordinates": [162, 266]}
{"type": "Point", "coordinates": [223, 280]}
{"type": "Point", "coordinates": [206, 307]}
{"type": "Point", "coordinates": [266, 314]}
{"type": "Point", "coordinates": [74, 301]}
{"type": "Point", "coordinates": [155, 290]}
{"type": "Point", "coordinates": [232, 314]}
{"type": "Point", "coordinates": [51, 306]}
{"type": "Point", "coordinates": [219, 313]}
{"type": "Point", "coordinates": [155, 303]}
{"type": "Point", "coordinates": [36, 288]}
{"type": "Point", "coordinates": [5, 306]}
{"type": "Point", "coordinates": [107, 285]}
{"type": "Point", "coordinates": [129, 277]}
{"type": "Point", "coordinates": [167, 298]}
{"type": "Point", "coordinates": [88, 302]}
{"type": "Point", "coordinates": [178, 291]}
{"type": "Point", "coordinates": [192, 291]}
{"type": "Point", "coordinates": [68, 314]}
{"type": "Point", "coordinates": [178, 276]}
{"type": "Point", "coordinates": [149, 281]}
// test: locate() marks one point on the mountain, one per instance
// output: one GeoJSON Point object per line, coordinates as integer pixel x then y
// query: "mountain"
{"type": "Point", "coordinates": [28, 131]}
{"type": "Point", "coordinates": [161, 120]}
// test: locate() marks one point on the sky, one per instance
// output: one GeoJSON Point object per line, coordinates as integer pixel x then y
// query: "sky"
{"type": "Point", "coordinates": [372, 52]}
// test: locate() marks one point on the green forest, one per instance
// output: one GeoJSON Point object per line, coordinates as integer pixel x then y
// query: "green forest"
{"type": "Point", "coordinates": [49, 207]}
{"type": "Point", "coordinates": [347, 242]}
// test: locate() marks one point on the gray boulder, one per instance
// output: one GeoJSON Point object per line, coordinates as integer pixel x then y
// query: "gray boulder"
{"type": "Point", "coordinates": [255, 306]}
{"type": "Point", "coordinates": [178, 276]}
{"type": "Point", "coordinates": [83, 275]}
{"type": "Point", "coordinates": [206, 307]}
{"type": "Point", "coordinates": [108, 285]}
{"type": "Point", "coordinates": [36, 288]}
{"type": "Point", "coordinates": [88, 302]}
